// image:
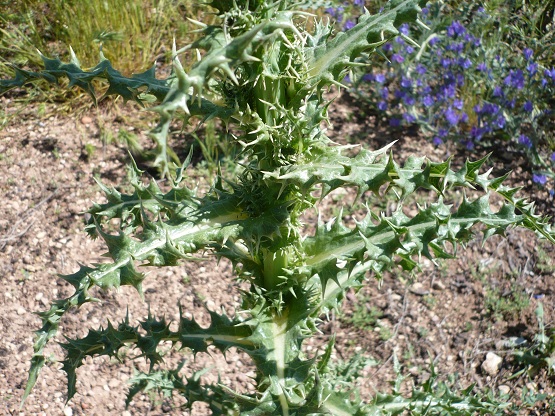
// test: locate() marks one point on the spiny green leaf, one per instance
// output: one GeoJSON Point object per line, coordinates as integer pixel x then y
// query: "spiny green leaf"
{"type": "Point", "coordinates": [329, 59]}
{"type": "Point", "coordinates": [223, 333]}
{"type": "Point", "coordinates": [128, 88]}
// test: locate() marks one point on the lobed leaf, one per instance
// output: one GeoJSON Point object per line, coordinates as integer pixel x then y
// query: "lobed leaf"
{"type": "Point", "coordinates": [222, 333]}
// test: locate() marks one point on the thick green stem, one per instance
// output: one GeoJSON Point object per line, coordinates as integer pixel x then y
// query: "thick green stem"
{"type": "Point", "coordinates": [279, 329]}
{"type": "Point", "coordinates": [274, 263]}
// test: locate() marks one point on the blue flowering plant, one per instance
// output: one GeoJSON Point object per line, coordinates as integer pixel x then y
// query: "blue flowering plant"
{"type": "Point", "coordinates": [461, 85]}
{"type": "Point", "coordinates": [345, 14]}
{"type": "Point", "coordinates": [262, 70]}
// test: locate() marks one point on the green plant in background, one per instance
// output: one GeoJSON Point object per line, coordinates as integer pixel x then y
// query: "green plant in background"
{"type": "Point", "coordinates": [132, 33]}
{"type": "Point", "coordinates": [364, 316]}
{"type": "Point", "coordinates": [506, 305]}
{"type": "Point", "coordinates": [540, 353]}
{"type": "Point", "coordinates": [263, 74]}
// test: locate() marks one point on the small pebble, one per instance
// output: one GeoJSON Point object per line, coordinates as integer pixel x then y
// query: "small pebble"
{"type": "Point", "coordinates": [437, 285]}
{"type": "Point", "coordinates": [418, 289]}
{"type": "Point", "coordinates": [492, 364]}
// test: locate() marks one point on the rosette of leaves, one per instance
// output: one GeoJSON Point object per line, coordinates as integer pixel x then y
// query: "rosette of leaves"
{"type": "Point", "coordinates": [264, 74]}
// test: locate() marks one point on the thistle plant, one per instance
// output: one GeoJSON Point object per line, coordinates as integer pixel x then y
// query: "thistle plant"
{"type": "Point", "coordinates": [264, 75]}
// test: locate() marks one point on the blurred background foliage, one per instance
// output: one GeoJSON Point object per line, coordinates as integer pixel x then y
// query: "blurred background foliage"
{"type": "Point", "coordinates": [133, 33]}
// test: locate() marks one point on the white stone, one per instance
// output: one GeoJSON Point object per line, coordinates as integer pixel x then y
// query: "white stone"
{"type": "Point", "coordinates": [492, 364]}
{"type": "Point", "coordinates": [437, 285]}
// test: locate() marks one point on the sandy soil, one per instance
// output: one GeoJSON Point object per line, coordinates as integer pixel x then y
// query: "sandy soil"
{"type": "Point", "coordinates": [445, 318]}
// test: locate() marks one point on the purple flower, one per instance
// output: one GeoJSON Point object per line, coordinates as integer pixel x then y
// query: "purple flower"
{"type": "Point", "coordinates": [447, 91]}
{"type": "Point", "coordinates": [397, 58]}
{"type": "Point", "coordinates": [380, 78]}
{"type": "Point", "coordinates": [359, 3]}
{"type": "Point", "coordinates": [553, 157]}
{"type": "Point", "coordinates": [549, 73]}
{"type": "Point", "coordinates": [406, 82]}
{"type": "Point", "coordinates": [455, 29]}
{"type": "Point", "coordinates": [458, 104]}
{"type": "Point", "coordinates": [464, 63]}
{"type": "Point", "coordinates": [525, 141]}
{"type": "Point", "coordinates": [451, 116]}
{"type": "Point", "coordinates": [532, 68]}
{"type": "Point", "coordinates": [368, 77]}
{"type": "Point", "coordinates": [487, 108]}
{"type": "Point", "coordinates": [409, 50]}
{"type": "Point", "coordinates": [539, 178]}
{"type": "Point", "coordinates": [437, 141]}
{"type": "Point", "coordinates": [498, 91]}
{"type": "Point", "coordinates": [515, 79]}
{"type": "Point", "coordinates": [399, 40]}
{"type": "Point", "coordinates": [347, 79]}
{"type": "Point", "coordinates": [409, 118]}
{"type": "Point", "coordinates": [434, 41]}
{"type": "Point", "coordinates": [494, 108]}
{"type": "Point", "coordinates": [500, 122]}
{"type": "Point", "coordinates": [528, 106]}
{"type": "Point", "coordinates": [382, 106]}
{"type": "Point", "coordinates": [395, 122]}
{"type": "Point", "coordinates": [336, 13]}
{"type": "Point", "coordinates": [384, 93]}
{"type": "Point", "coordinates": [404, 29]}
{"type": "Point", "coordinates": [477, 133]}
{"type": "Point", "coordinates": [408, 100]}
{"type": "Point", "coordinates": [456, 47]}
{"type": "Point", "coordinates": [482, 67]}
{"type": "Point", "coordinates": [442, 132]}
{"type": "Point", "coordinates": [449, 78]}
{"type": "Point", "coordinates": [528, 53]}
{"type": "Point", "coordinates": [388, 47]}
{"type": "Point", "coordinates": [428, 101]}
{"type": "Point", "coordinates": [421, 69]}
{"type": "Point", "coordinates": [445, 62]}
{"type": "Point", "coordinates": [349, 24]}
